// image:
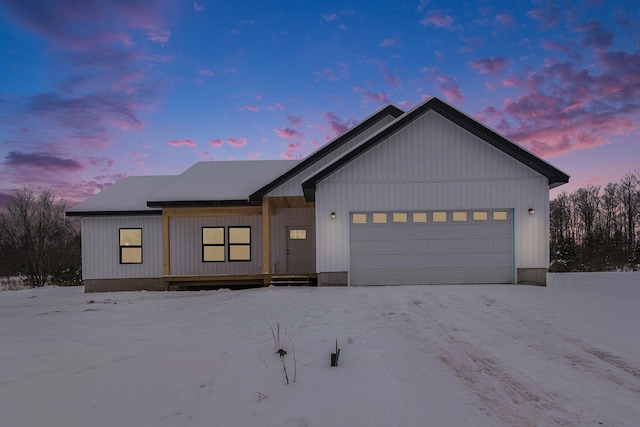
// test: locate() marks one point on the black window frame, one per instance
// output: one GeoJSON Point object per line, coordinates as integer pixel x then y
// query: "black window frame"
{"type": "Point", "coordinates": [230, 245]}
{"type": "Point", "coordinates": [121, 246]}
{"type": "Point", "coordinates": [204, 245]}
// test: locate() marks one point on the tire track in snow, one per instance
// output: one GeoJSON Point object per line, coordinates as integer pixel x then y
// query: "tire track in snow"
{"type": "Point", "coordinates": [596, 361]}
{"type": "Point", "coordinates": [511, 396]}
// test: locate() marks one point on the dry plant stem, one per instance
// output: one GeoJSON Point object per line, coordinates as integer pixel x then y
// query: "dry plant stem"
{"type": "Point", "coordinates": [284, 368]}
{"type": "Point", "coordinates": [295, 362]}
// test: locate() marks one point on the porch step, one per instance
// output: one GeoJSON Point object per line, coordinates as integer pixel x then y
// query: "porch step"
{"type": "Point", "coordinates": [290, 281]}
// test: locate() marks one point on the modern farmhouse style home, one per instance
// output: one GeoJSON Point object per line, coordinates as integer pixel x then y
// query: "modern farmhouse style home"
{"type": "Point", "coordinates": [428, 196]}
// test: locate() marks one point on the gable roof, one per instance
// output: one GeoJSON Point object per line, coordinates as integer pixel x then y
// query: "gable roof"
{"type": "Point", "coordinates": [126, 197]}
{"type": "Point", "coordinates": [555, 176]}
{"type": "Point", "coordinates": [219, 183]}
{"type": "Point", "coordinates": [327, 149]}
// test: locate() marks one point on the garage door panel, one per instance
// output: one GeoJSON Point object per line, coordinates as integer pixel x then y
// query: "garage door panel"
{"type": "Point", "coordinates": [433, 276]}
{"type": "Point", "coordinates": [432, 252]}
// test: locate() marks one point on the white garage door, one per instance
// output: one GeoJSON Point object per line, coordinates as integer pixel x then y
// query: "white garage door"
{"type": "Point", "coordinates": [431, 247]}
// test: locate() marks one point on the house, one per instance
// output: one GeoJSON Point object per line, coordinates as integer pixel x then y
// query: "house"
{"type": "Point", "coordinates": [428, 196]}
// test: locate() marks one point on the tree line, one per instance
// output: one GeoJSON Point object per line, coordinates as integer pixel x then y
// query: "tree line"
{"type": "Point", "coordinates": [38, 243]}
{"type": "Point", "coordinates": [596, 229]}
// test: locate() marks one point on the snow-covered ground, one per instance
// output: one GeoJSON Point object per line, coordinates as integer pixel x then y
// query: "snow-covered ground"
{"type": "Point", "coordinates": [568, 354]}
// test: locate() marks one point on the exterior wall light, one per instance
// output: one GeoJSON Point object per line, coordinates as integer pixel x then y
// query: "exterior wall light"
{"type": "Point", "coordinates": [333, 215]}
{"type": "Point", "coordinates": [531, 211]}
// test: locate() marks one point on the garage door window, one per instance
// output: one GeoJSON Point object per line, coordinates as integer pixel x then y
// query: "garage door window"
{"type": "Point", "coordinates": [499, 216]}
{"type": "Point", "coordinates": [419, 217]}
{"type": "Point", "coordinates": [379, 218]}
{"type": "Point", "coordinates": [400, 217]}
{"type": "Point", "coordinates": [459, 216]}
{"type": "Point", "coordinates": [479, 216]}
{"type": "Point", "coordinates": [359, 218]}
{"type": "Point", "coordinates": [439, 217]}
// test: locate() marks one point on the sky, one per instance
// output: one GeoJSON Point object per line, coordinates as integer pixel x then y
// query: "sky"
{"type": "Point", "coordinates": [93, 91]}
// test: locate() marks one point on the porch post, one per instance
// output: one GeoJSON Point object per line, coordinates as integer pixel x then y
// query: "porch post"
{"type": "Point", "coordinates": [166, 261]}
{"type": "Point", "coordinates": [266, 236]}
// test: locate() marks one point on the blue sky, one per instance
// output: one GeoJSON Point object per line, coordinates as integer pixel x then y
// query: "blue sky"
{"type": "Point", "coordinates": [94, 91]}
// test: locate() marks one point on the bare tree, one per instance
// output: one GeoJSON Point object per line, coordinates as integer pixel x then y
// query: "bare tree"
{"type": "Point", "coordinates": [36, 238]}
{"type": "Point", "coordinates": [629, 189]}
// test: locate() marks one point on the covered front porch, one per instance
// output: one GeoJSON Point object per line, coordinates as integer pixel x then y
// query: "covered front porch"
{"type": "Point", "coordinates": [239, 246]}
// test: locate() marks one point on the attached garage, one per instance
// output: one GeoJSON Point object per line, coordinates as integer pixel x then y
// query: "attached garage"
{"type": "Point", "coordinates": [433, 198]}
{"type": "Point", "coordinates": [429, 247]}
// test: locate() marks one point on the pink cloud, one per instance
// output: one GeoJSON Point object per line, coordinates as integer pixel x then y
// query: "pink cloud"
{"type": "Point", "coordinates": [87, 24]}
{"type": "Point", "coordinates": [237, 142]}
{"type": "Point", "coordinates": [254, 156]}
{"type": "Point", "coordinates": [492, 65]}
{"type": "Point", "coordinates": [289, 133]}
{"type": "Point", "coordinates": [437, 19]}
{"type": "Point", "coordinates": [197, 7]}
{"type": "Point", "coordinates": [159, 36]}
{"type": "Point", "coordinates": [548, 16]}
{"type": "Point", "coordinates": [182, 142]}
{"type": "Point", "coordinates": [505, 20]}
{"type": "Point", "coordinates": [378, 97]}
{"type": "Point", "coordinates": [446, 84]}
{"type": "Point", "coordinates": [206, 72]}
{"type": "Point", "coordinates": [390, 42]}
{"type": "Point", "coordinates": [294, 121]}
{"type": "Point", "coordinates": [563, 107]}
{"type": "Point", "coordinates": [40, 161]}
{"type": "Point", "coordinates": [406, 104]}
{"type": "Point", "coordinates": [337, 126]}
{"type": "Point", "coordinates": [217, 143]}
{"type": "Point", "coordinates": [329, 17]}
{"type": "Point", "coordinates": [290, 152]}
{"type": "Point", "coordinates": [595, 35]}
{"type": "Point", "coordinates": [253, 108]}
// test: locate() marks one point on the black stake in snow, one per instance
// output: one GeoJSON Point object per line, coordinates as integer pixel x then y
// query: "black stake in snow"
{"type": "Point", "coordinates": [335, 356]}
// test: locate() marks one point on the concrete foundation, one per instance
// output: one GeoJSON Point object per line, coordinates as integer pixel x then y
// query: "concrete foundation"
{"type": "Point", "coordinates": [118, 285]}
{"type": "Point", "coordinates": [333, 278]}
{"type": "Point", "coordinates": [532, 276]}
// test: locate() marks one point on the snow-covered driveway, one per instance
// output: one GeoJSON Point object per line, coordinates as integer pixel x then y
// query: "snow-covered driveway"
{"type": "Point", "coordinates": [482, 355]}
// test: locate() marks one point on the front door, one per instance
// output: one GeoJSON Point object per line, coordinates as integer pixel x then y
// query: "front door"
{"type": "Point", "coordinates": [298, 249]}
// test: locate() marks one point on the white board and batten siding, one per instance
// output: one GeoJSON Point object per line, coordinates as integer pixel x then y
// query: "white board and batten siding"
{"type": "Point", "coordinates": [101, 247]}
{"type": "Point", "coordinates": [186, 246]}
{"type": "Point", "coordinates": [280, 220]}
{"type": "Point", "coordinates": [292, 187]}
{"type": "Point", "coordinates": [432, 164]}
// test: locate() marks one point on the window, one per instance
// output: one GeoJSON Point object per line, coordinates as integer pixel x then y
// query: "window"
{"type": "Point", "coordinates": [460, 216]}
{"type": "Point", "coordinates": [479, 216]}
{"type": "Point", "coordinates": [359, 218]}
{"type": "Point", "coordinates": [239, 243]}
{"type": "Point", "coordinates": [419, 217]}
{"type": "Point", "coordinates": [439, 217]}
{"type": "Point", "coordinates": [131, 246]}
{"type": "Point", "coordinates": [213, 244]}
{"type": "Point", "coordinates": [399, 217]}
{"type": "Point", "coordinates": [295, 234]}
{"type": "Point", "coordinates": [499, 216]}
{"type": "Point", "coordinates": [379, 218]}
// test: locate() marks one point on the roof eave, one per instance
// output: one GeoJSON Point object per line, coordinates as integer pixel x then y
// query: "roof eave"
{"type": "Point", "coordinates": [113, 213]}
{"type": "Point", "coordinates": [198, 203]}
